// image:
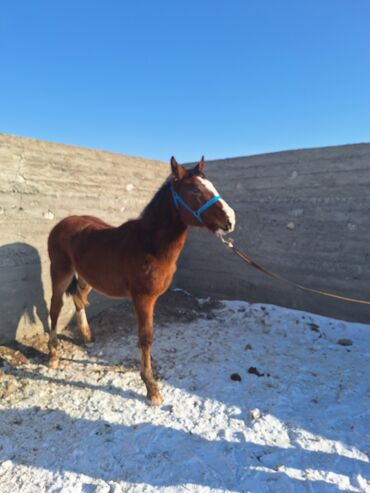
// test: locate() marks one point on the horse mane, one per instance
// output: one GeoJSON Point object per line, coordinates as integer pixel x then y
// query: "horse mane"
{"type": "Point", "coordinates": [152, 208]}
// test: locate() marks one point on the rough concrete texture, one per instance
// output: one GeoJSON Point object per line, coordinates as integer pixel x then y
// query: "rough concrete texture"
{"type": "Point", "coordinates": [40, 183]}
{"type": "Point", "coordinates": [303, 214]}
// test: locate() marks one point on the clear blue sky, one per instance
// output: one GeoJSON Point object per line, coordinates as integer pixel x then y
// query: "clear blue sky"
{"type": "Point", "coordinates": [186, 77]}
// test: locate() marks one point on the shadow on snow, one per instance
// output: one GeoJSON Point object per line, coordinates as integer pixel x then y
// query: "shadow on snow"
{"type": "Point", "coordinates": [148, 454]}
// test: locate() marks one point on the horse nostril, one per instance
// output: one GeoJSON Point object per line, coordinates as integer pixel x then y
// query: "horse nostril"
{"type": "Point", "coordinates": [227, 225]}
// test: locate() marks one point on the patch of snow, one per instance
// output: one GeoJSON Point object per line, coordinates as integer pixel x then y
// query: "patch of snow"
{"type": "Point", "coordinates": [304, 426]}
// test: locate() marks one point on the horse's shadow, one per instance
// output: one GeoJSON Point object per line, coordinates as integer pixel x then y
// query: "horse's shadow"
{"type": "Point", "coordinates": [24, 320]}
{"type": "Point", "coordinates": [22, 301]}
{"type": "Point", "coordinates": [151, 454]}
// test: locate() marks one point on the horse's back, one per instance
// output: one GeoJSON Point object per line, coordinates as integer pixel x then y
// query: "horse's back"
{"type": "Point", "coordinates": [62, 233]}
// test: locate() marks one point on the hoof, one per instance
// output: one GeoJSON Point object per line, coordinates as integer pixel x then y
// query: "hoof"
{"type": "Point", "coordinates": [89, 339]}
{"type": "Point", "coordinates": [155, 400]}
{"type": "Point", "coordinates": [53, 363]}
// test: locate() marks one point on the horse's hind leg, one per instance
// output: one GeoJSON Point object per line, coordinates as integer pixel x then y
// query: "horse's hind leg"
{"type": "Point", "coordinates": [144, 307]}
{"type": "Point", "coordinates": [60, 280]}
{"type": "Point", "coordinates": [80, 291]}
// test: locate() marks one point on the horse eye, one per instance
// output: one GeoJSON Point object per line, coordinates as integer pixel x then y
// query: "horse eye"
{"type": "Point", "coordinates": [195, 190]}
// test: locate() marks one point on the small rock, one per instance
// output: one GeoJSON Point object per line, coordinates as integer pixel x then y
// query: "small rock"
{"type": "Point", "coordinates": [248, 347]}
{"type": "Point", "coordinates": [344, 342]}
{"type": "Point", "coordinates": [253, 371]}
{"type": "Point", "coordinates": [235, 377]}
{"type": "Point", "coordinates": [129, 187]}
{"type": "Point", "coordinates": [290, 226]}
{"type": "Point", "coordinates": [314, 327]}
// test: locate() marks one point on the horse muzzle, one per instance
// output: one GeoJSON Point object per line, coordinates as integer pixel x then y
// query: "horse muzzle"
{"type": "Point", "coordinates": [228, 225]}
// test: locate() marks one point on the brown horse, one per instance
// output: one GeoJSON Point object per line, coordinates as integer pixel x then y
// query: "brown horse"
{"type": "Point", "coordinates": [136, 260]}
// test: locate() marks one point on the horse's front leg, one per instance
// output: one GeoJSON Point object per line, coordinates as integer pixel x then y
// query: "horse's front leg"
{"type": "Point", "coordinates": [144, 307]}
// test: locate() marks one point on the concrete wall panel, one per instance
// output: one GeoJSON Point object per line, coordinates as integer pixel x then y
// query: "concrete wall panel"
{"type": "Point", "coordinates": [304, 214]}
{"type": "Point", "coordinates": [40, 183]}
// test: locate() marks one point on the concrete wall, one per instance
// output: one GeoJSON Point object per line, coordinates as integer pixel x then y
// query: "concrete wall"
{"type": "Point", "coordinates": [40, 183]}
{"type": "Point", "coordinates": [304, 214]}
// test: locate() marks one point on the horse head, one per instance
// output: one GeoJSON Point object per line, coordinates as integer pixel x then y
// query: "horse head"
{"type": "Point", "coordinates": [197, 200]}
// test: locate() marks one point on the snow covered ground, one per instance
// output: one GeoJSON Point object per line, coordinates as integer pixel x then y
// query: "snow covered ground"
{"type": "Point", "coordinates": [257, 399]}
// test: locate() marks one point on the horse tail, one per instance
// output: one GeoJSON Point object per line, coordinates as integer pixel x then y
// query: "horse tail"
{"type": "Point", "coordinates": [73, 286]}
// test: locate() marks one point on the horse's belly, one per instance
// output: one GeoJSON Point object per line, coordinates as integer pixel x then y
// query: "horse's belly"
{"type": "Point", "coordinates": [149, 276]}
{"type": "Point", "coordinates": [108, 284]}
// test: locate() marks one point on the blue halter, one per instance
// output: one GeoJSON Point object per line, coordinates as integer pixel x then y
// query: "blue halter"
{"type": "Point", "coordinates": [197, 214]}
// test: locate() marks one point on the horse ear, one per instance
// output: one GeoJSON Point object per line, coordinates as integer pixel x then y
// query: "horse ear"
{"type": "Point", "coordinates": [199, 168]}
{"type": "Point", "coordinates": [178, 171]}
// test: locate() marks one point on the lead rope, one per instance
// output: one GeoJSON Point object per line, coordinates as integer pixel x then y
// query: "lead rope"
{"type": "Point", "coordinates": [230, 245]}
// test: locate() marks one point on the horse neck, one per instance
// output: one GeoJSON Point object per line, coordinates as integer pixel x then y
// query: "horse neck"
{"type": "Point", "coordinates": [166, 231]}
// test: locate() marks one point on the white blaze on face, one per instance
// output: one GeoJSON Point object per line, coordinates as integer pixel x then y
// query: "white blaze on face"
{"type": "Point", "coordinates": [229, 212]}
